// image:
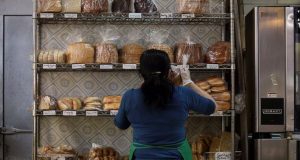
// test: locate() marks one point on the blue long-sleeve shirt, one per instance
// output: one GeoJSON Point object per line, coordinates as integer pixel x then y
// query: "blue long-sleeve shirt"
{"type": "Point", "coordinates": [155, 126]}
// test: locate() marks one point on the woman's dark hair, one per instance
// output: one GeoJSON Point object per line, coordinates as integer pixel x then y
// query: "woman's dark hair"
{"type": "Point", "coordinates": [157, 88]}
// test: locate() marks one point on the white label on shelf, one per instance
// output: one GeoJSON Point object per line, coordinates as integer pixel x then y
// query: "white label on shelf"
{"type": "Point", "coordinates": [113, 112]}
{"type": "Point", "coordinates": [188, 16]}
{"type": "Point", "coordinates": [272, 95]}
{"type": "Point", "coordinates": [129, 66]}
{"type": "Point", "coordinates": [49, 66]}
{"type": "Point", "coordinates": [49, 113]}
{"type": "Point", "coordinates": [106, 66]}
{"type": "Point", "coordinates": [61, 158]}
{"type": "Point", "coordinates": [68, 15]}
{"type": "Point", "coordinates": [91, 113]}
{"type": "Point", "coordinates": [69, 113]}
{"type": "Point", "coordinates": [212, 66]}
{"type": "Point", "coordinates": [46, 15]}
{"type": "Point", "coordinates": [166, 15]}
{"type": "Point", "coordinates": [223, 156]}
{"type": "Point", "coordinates": [78, 66]}
{"type": "Point", "coordinates": [135, 15]}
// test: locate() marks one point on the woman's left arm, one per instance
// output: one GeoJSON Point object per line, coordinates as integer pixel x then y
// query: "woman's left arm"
{"type": "Point", "coordinates": [121, 120]}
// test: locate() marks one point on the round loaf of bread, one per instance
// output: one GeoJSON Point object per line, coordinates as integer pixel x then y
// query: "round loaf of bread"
{"type": "Point", "coordinates": [224, 96]}
{"type": "Point", "coordinates": [223, 106]}
{"type": "Point", "coordinates": [216, 81]}
{"type": "Point", "coordinates": [80, 53]}
{"type": "Point", "coordinates": [219, 89]}
{"type": "Point", "coordinates": [203, 85]}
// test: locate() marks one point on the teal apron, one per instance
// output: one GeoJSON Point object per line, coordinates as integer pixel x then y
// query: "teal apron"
{"type": "Point", "coordinates": [182, 147]}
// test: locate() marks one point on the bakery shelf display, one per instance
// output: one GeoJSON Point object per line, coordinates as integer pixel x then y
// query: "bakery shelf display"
{"type": "Point", "coordinates": [84, 53]}
{"type": "Point", "coordinates": [132, 18]}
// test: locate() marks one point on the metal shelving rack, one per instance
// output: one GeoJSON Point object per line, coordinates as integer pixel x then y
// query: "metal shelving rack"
{"type": "Point", "coordinates": [122, 19]}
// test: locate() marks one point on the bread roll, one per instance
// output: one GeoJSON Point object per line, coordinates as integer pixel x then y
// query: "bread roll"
{"type": "Point", "coordinates": [216, 81]}
{"type": "Point", "coordinates": [40, 57]}
{"type": "Point", "coordinates": [193, 6]}
{"type": "Point", "coordinates": [55, 56]}
{"type": "Point", "coordinates": [48, 103]}
{"type": "Point", "coordinates": [80, 53]}
{"type": "Point", "coordinates": [219, 89]}
{"type": "Point", "coordinates": [65, 104]}
{"type": "Point", "coordinates": [203, 85]}
{"type": "Point", "coordinates": [111, 106]}
{"type": "Point", "coordinates": [45, 57]}
{"type": "Point", "coordinates": [112, 99]}
{"type": "Point", "coordinates": [77, 105]}
{"type": "Point", "coordinates": [165, 48]}
{"type": "Point", "coordinates": [219, 53]}
{"type": "Point", "coordinates": [106, 53]}
{"type": "Point", "coordinates": [91, 99]}
{"type": "Point", "coordinates": [61, 57]}
{"type": "Point", "coordinates": [94, 6]}
{"type": "Point", "coordinates": [49, 6]}
{"type": "Point", "coordinates": [51, 57]}
{"type": "Point", "coordinates": [144, 6]}
{"type": "Point", "coordinates": [224, 96]}
{"type": "Point", "coordinates": [223, 106]}
{"type": "Point", "coordinates": [131, 53]}
{"type": "Point", "coordinates": [71, 6]}
{"type": "Point", "coordinates": [194, 50]}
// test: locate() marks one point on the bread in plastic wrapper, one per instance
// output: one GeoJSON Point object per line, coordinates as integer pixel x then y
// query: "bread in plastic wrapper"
{"type": "Point", "coordinates": [220, 143]}
{"type": "Point", "coordinates": [53, 56]}
{"type": "Point", "coordinates": [71, 6]}
{"type": "Point", "coordinates": [193, 6]}
{"type": "Point", "coordinates": [94, 6]}
{"type": "Point", "coordinates": [69, 103]}
{"type": "Point", "coordinates": [47, 103]}
{"type": "Point", "coordinates": [193, 49]}
{"type": "Point", "coordinates": [103, 153]}
{"type": "Point", "coordinates": [219, 53]}
{"type": "Point", "coordinates": [106, 53]}
{"type": "Point", "coordinates": [49, 6]}
{"type": "Point", "coordinates": [145, 6]}
{"type": "Point", "coordinates": [131, 53]}
{"type": "Point", "coordinates": [80, 52]}
{"type": "Point", "coordinates": [121, 6]}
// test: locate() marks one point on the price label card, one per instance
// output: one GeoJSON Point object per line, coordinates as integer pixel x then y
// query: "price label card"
{"type": "Point", "coordinates": [49, 66]}
{"type": "Point", "coordinates": [68, 15]}
{"type": "Point", "coordinates": [166, 15]}
{"type": "Point", "coordinates": [212, 66]}
{"type": "Point", "coordinates": [61, 158]}
{"type": "Point", "coordinates": [91, 113]}
{"type": "Point", "coordinates": [135, 15]}
{"type": "Point", "coordinates": [106, 66]}
{"type": "Point", "coordinates": [46, 15]}
{"type": "Point", "coordinates": [49, 113]}
{"type": "Point", "coordinates": [223, 156]}
{"type": "Point", "coordinates": [188, 16]}
{"type": "Point", "coordinates": [78, 66]}
{"type": "Point", "coordinates": [129, 66]}
{"type": "Point", "coordinates": [113, 112]}
{"type": "Point", "coordinates": [69, 113]}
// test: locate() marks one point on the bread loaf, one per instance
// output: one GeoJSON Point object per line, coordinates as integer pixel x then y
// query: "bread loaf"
{"type": "Point", "coordinates": [193, 6]}
{"type": "Point", "coordinates": [131, 53]}
{"type": "Point", "coordinates": [218, 89]}
{"type": "Point", "coordinates": [91, 100]}
{"type": "Point", "coordinates": [69, 104]}
{"type": "Point", "coordinates": [54, 56]}
{"type": "Point", "coordinates": [144, 6]}
{"type": "Point", "coordinates": [224, 96]}
{"type": "Point", "coordinates": [121, 6]}
{"type": "Point", "coordinates": [194, 50]}
{"type": "Point", "coordinates": [223, 106]}
{"type": "Point", "coordinates": [47, 103]}
{"type": "Point", "coordinates": [94, 6]}
{"type": "Point", "coordinates": [165, 48]}
{"type": "Point", "coordinates": [219, 53]}
{"type": "Point", "coordinates": [49, 6]}
{"type": "Point", "coordinates": [112, 99]}
{"type": "Point", "coordinates": [105, 153]}
{"type": "Point", "coordinates": [80, 53]}
{"type": "Point", "coordinates": [111, 106]}
{"type": "Point", "coordinates": [106, 53]}
{"type": "Point", "coordinates": [216, 81]}
{"type": "Point", "coordinates": [220, 144]}
{"type": "Point", "coordinates": [71, 6]}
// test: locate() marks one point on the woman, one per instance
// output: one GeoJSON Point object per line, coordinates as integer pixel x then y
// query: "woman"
{"type": "Point", "coordinates": [158, 110]}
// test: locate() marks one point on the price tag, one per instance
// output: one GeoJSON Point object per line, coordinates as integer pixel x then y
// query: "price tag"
{"type": "Point", "coordinates": [272, 95]}
{"type": "Point", "coordinates": [68, 15]}
{"type": "Point", "coordinates": [78, 66]}
{"type": "Point", "coordinates": [49, 66]}
{"type": "Point", "coordinates": [212, 66]}
{"type": "Point", "coordinates": [113, 112]}
{"type": "Point", "coordinates": [188, 16]}
{"type": "Point", "coordinates": [135, 15]}
{"type": "Point", "coordinates": [49, 113]}
{"type": "Point", "coordinates": [69, 113]}
{"type": "Point", "coordinates": [129, 66]}
{"type": "Point", "coordinates": [91, 113]}
{"type": "Point", "coordinates": [46, 15]}
{"type": "Point", "coordinates": [106, 66]}
{"type": "Point", "coordinates": [166, 15]}
{"type": "Point", "coordinates": [223, 156]}
{"type": "Point", "coordinates": [61, 158]}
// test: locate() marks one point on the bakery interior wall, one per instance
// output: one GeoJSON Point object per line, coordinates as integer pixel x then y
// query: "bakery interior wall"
{"type": "Point", "coordinates": [16, 77]}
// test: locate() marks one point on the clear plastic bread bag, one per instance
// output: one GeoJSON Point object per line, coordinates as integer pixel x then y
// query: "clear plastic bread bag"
{"type": "Point", "coordinates": [188, 46]}
{"type": "Point", "coordinates": [132, 50]}
{"type": "Point", "coordinates": [94, 6]}
{"type": "Point", "coordinates": [193, 6]}
{"type": "Point", "coordinates": [106, 51]}
{"type": "Point", "coordinates": [121, 6]}
{"type": "Point", "coordinates": [71, 6]}
{"type": "Point", "coordinates": [158, 39]}
{"type": "Point", "coordinates": [145, 6]}
{"type": "Point", "coordinates": [218, 53]}
{"type": "Point", "coordinates": [49, 6]}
